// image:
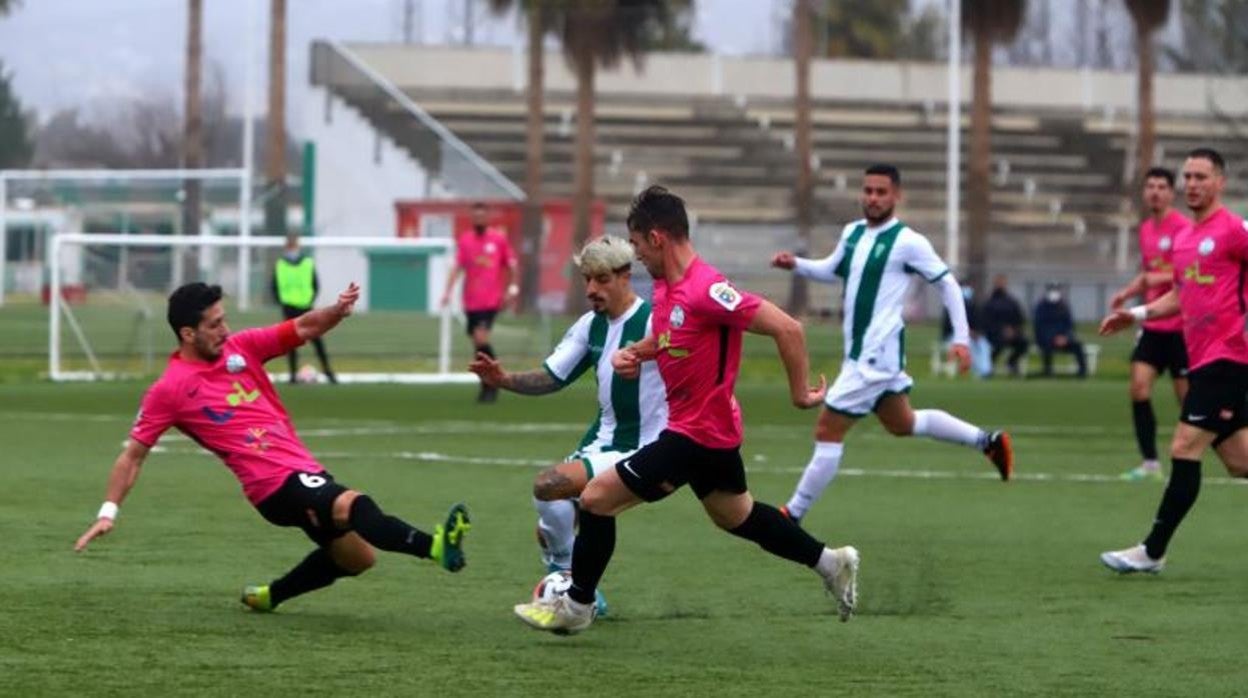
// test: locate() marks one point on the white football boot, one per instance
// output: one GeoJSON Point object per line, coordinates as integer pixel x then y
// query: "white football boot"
{"type": "Point", "coordinates": [1133, 559]}
{"type": "Point", "coordinates": [839, 569]}
{"type": "Point", "coordinates": [561, 615]}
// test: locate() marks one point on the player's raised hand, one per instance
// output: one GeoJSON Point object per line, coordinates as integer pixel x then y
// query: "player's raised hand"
{"type": "Point", "coordinates": [961, 355]}
{"type": "Point", "coordinates": [784, 260]}
{"type": "Point", "coordinates": [1116, 322]}
{"type": "Point", "coordinates": [101, 527]}
{"type": "Point", "coordinates": [626, 362]}
{"type": "Point", "coordinates": [347, 299]}
{"type": "Point", "coordinates": [488, 369]}
{"type": "Point", "coordinates": [1118, 300]}
{"type": "Point", "coordinates": [814, 395]}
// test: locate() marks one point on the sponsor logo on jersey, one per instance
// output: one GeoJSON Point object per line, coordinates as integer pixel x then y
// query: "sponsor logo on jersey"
{"type": "Point", "coordinates": [217, 417]}
{"type": "Point", "coordinates": [723, 293]}
{"type": "Point", "coordinates": [255, 439]}
{"type": "Point", "coordinates": [665, 343]}
{"type": "Point", "coordinates": [1192, 273]}
{"type": "Point", "coordinates": [241, 395]}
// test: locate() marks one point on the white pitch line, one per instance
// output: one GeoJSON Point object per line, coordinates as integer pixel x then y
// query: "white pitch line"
{"type": "Point", "coordinates": [894, 473]}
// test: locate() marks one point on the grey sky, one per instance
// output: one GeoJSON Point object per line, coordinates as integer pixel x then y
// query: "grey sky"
{"type": "Point", "coordinates": [80, 53]}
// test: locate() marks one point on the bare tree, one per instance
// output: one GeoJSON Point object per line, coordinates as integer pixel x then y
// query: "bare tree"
{"type": "Point", "coordinates": [193, 132]}
{"type": "Point", "coordinates": [803, 195]}
{"type": "Point", "coordinates": [275, 156]}
{"type": "Point", "coordinates": [1149, 16]}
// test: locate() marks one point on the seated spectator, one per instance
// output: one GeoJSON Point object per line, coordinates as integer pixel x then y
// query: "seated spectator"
{"type": "Point", "coordinates": [981, 350]}
{"type": "Point", "coordinates": [1055, 330]}
{"type": "Point", "coordinates": [1004, 324]}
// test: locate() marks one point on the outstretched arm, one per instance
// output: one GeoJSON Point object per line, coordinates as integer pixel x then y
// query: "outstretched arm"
{"type": "Point", "coordinates": [1164, 306]}
{"type": "Point", "coordinates": [537, 382]}
{"type": "Point", "coordinates": [315, 323]}
{"type": "Point", "coordinates": [627, 361]}
{"type": "Point", "coordinates": [120, 481]}
{"type": "Point", "coordinates": [960, 344]}
{"type": "Point", "coordinates": [791, 342]}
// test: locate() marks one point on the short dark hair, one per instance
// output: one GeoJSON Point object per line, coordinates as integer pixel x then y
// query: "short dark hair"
{"type": "Point", "coordinates": [188, 303]}
{"type": "Point", "coordinates": [656, 207]}
{"type": "Point", "coordinates": [478, 205]}
{"type": "Point", "coordinates": [1211, 155]}
{"type": "Point", "coordinates": [1160, 173]}
{"type": "Point", "coordinates": [886, 170]}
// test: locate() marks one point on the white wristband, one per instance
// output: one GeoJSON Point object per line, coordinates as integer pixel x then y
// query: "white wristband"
{"type": "Point", "coordinates": [108, 510]}
{"type": "Point", "coordinates": [513, 289]}
{"type": "Point", "coordinates": [1139, 312]}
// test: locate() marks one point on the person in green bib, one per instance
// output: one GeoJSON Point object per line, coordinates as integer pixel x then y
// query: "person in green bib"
{"type": "Point", "coordinates": [294, 288]}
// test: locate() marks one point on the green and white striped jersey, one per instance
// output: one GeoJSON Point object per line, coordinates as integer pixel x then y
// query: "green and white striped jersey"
{"type": "Point", "coordinates": [875, 264]}
{"type": "Point", "coordinates": [631, 413]}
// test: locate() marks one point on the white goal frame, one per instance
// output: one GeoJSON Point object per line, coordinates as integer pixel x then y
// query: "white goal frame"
{"type": "Point", "coordinates": [56, 307]}
{"type": "Point", "coordinates": [241, 176]}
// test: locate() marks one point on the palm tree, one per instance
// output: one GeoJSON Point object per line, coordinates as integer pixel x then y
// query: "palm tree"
{"type": "Point", "coordinates": [1149, 16]}
{"type": "Point", "coordinates": [275, 126]}
{"type": "Point", "coordinates": [193, 131]}
{"type": "Point", "coordinates": [803, 195]}
{"type": "Point", "coordinates": [537, 18]}
{"type": "Point", "coordinates": [601, 34]}
{"type": "Point", "coordinates": [988, 22]}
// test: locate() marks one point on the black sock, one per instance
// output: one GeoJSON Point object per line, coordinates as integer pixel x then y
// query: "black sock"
{"type": "Point", "coordinates": [487, 349]}
{"type": "Point", "coordinates": [595, 543]}
{"type": "Point", "coordinates": [1145, 428]}
{"type": "Point", "coordinates": [1181, 492]}
{"type": "Point", "coordinates": [316, 571]}
{"type": "Point", "coordinates": [387, 532]}
{"type": "Point", "coordinates": [778, 535]}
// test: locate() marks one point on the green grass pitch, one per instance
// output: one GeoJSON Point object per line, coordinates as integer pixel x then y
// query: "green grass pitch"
{"type": "Point", "coordinates": [968, 586]}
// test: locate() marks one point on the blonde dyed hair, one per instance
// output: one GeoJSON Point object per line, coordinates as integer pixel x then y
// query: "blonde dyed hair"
{"type": "Point", "coordinates": [606, 255]}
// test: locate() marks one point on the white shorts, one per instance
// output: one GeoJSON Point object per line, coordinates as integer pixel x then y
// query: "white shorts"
{"type": "Point", "coordinates": [598, 462]}
{"type": "Point", "coordinates": [857, 395]}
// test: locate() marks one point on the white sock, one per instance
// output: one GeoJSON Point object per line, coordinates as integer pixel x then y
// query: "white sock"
{"type": "Point", "coordinates": [816, 478]}
{"type": "Point", "coordinates": [556, 525]}
{"type": "Point", "coordinates": [942, 426]}
{"type": "Point", "coordinates": [826, 566]}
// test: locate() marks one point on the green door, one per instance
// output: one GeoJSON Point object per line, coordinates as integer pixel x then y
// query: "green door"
{"type": "Point", "coordinates": [398, 279]}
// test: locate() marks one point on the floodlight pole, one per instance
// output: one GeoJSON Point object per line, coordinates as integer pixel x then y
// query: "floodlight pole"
{"type": "Point", "coordinates": [244, 194]}
{"type": "Point", "coordinates": [953, 184]}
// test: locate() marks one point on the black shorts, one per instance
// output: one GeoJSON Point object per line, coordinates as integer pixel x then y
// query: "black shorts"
{"type": "Point", "coordinates": [305, 500]}
{"type": "Point", "coordinates": [480, 318]}
{"type": "Point", "coordinates": [1216, 397]}
{"type": "Point", "coordinates": [1164, 351]}
{"type": "Point", "coordinates": [664, 466]}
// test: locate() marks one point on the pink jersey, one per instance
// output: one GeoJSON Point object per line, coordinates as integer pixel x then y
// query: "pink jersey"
{"type": "Point", "coordinates": [698, 323]}
{"type": "Point", "coordinates": [485, 260]}
{"type": "Point", "coordinates": [1156, 248]}
{"type": "Point", "coordinates": [230, 408]}
{"type": "Point", "coordinates": [1210, 260]}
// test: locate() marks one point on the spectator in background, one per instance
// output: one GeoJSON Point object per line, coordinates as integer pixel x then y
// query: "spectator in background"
{"type": "Point", "coordinates": [1055, 330]}
{"type": "Point", "coordinates": [1004, 324]}
{"type": "Point", "coordinates": [981, 350]}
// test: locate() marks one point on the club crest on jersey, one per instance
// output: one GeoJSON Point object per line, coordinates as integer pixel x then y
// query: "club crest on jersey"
{"type": "Point", "coordinates": [1206, 247]}
{"type": "Point", "coordinates": [677, 316]}
{"type": "Point", "coordinates": [1164, 244]}
{"type": "Point", "coordinates": [490, 248]}
{"type": "Point", "coordinates": [235, 363]}
{"type": "Point", "coordinates": [723, 293]}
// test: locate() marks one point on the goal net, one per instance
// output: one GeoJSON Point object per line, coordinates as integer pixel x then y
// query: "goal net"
{"type": "Point", "coordinates": [107, 301]}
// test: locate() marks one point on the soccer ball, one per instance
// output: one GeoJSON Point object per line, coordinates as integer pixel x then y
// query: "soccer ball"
{"type": "Point", "coordinates": [307, 374]}
{"type": "Point", "coordinates": [552, 585]}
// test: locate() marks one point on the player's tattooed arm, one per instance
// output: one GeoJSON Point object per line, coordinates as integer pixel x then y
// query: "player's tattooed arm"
{"type": "Point", "coordinates": [538, 382]}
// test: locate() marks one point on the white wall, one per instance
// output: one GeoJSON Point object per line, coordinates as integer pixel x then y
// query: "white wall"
{"type": "Point", "coordinates": [358, 180]}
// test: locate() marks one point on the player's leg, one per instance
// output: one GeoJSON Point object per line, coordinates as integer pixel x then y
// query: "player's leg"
{"type": "Point", "coordinates": [718, 479]}
{"type": "Point", "coordinates": [292, 356]}
{"type": "Point", "coordinates": [553, 493]}
{"type": "Point", "coordinates": [830, 431]}
{"type": "Point", "coordinates": [323, 357]}
{"type": "Point", "coordinates": [345, 556]}
{"type": "Point", "coordinates": [1143, 419]}
{"type": "Point", "coordinates": [480, 325]}
{"type": "Point", "coordinates": [899, 419]}
{"type": "Point", "coordinates": [848, 400]}
{"type": "Point", "coordinates": [355, 511]}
